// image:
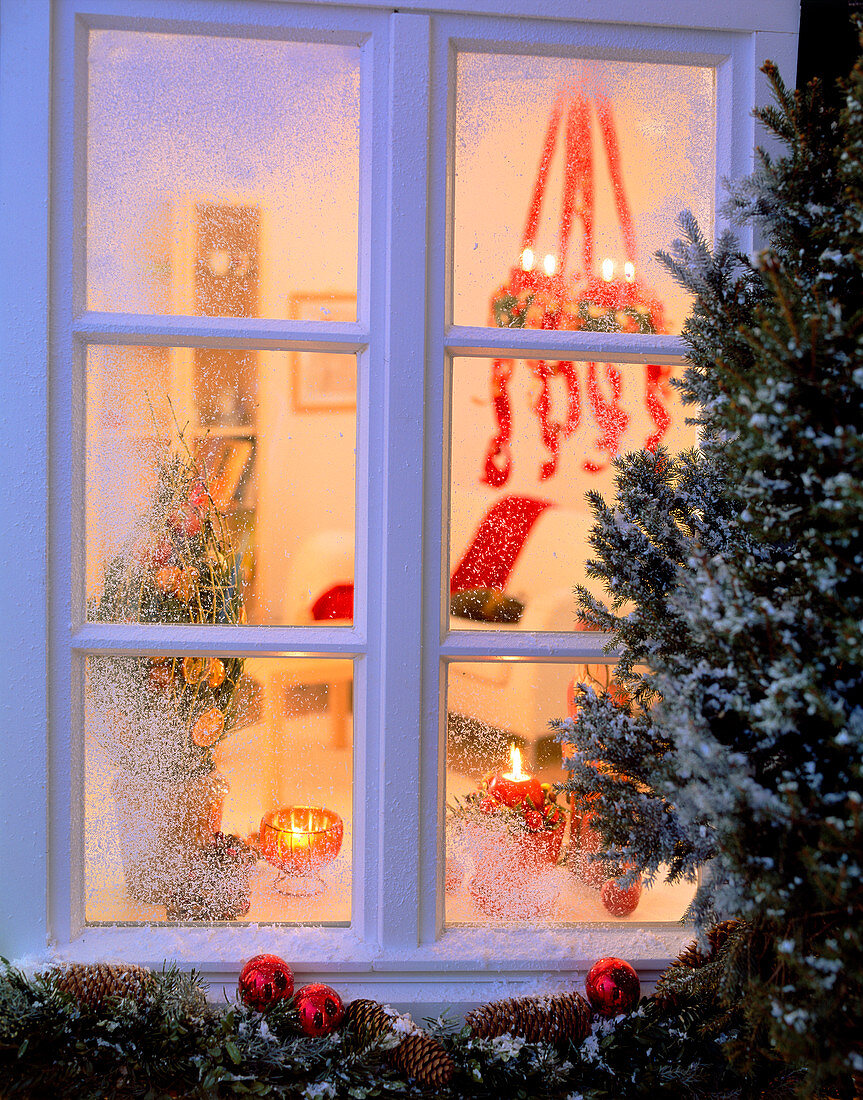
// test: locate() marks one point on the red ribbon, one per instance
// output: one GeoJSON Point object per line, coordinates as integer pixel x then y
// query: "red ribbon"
{"type": "Point", "coordinates": [498, 459]}
{"type": "Point", "coordinates": [655, 386]}
{"type": "Point", "coordinates": [552, 431]}
{"type": "Point", "coordinates": [610, 417]}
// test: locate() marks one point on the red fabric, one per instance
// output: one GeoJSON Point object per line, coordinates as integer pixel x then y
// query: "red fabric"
{"type": "Point", "coordinates": [488, 561]}
{"type": "Point", "coordinates": [336, 603]}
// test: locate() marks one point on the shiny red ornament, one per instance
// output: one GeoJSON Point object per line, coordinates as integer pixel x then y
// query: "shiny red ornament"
{"type": "Point", "coordinates": [264, 981]}
{"type": "Point", "coordinates": [319, 1009]}
{"type": "Point", "coordinates": [612, 987]}
{"type": "Point", "coordinates": [620, 901]}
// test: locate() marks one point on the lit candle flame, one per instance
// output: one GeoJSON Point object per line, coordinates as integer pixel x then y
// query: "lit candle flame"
{"type": "Point", "coordinates": [608, 270]}
{"type": "Point", "coordinates": [515, 769]}
{"type": "Point", "coordinates": [550, 264]}
{"type": "Point", "coordinates": [527, 260]}
{"type": "Point", "coordinates": [629, 271]}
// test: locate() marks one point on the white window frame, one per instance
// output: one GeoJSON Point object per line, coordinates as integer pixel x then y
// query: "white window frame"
{"type": "Point", "coordinates": [396, 948]}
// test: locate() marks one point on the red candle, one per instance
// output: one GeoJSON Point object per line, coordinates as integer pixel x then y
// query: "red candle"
{"type": "Point", "coordinates": [516, 786]}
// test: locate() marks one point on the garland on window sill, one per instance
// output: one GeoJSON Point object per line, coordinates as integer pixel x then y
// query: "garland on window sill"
{"type": "Point", "coordinates": [164, 1040]}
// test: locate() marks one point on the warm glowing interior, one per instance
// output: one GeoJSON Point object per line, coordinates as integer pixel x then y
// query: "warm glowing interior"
{"type": "Point", "coordinates": [287, 760]}
{"type": "Point", "coordinates": [223, 179]}
{"type": "Point", "coordinates": [499, 869]}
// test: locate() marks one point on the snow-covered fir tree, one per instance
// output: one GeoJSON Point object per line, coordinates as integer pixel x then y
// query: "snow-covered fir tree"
{"type": "Point", "coordinates": [735, 599]}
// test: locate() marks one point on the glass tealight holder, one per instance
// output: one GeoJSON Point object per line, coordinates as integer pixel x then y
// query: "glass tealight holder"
{"type": "Point", "coordinates": [299, 840]}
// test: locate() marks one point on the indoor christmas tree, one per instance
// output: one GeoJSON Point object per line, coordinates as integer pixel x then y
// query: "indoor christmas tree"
{"type": "Point", "coordinates": [735, 575]}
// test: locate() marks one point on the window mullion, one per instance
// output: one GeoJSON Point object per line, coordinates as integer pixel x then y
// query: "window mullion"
{"type": "Point", "coordinates": [437, 441]}
{"type": "Point", "coordinates": [401, 703]}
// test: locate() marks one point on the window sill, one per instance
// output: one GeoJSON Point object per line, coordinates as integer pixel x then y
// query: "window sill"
{"type": "Point", "coordinates": [466, 967]}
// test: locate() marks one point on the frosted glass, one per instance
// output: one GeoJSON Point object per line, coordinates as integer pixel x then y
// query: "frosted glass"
{"type": "Point", "coordinates": [222, 175]}
{"type": "Point", "coordinates": [173, 823]}
{"type": "Point", "coordinates": [256, 451]}
{"type": "Point", "coordinates": [658, 121]}
{"type": "Point", "coordinates": [527, 864]}
{"type": "Point", "coordinates": [518, 545]}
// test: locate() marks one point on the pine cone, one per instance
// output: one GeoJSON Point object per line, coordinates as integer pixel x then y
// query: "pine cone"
{"type": "Point", "coordinates": [551, 1018]}
{"type": "Point", "coordinates": [93, 983]}
{"type": "Point", "coordinates": [418, 1055]}
{"type": "Point", "coordinates": [369, 1019]}
{"type": "Point", "coordinates": [717, 936]}
{"type": "Point", "coordinates": [667, 994]}
{"type": "Point", "coordinates": [424, 1058]}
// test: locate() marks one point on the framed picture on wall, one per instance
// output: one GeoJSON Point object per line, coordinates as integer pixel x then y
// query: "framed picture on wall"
{"type": "Point", "coordinates": [321, 381]}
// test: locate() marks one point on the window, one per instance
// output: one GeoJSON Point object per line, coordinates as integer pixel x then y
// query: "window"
{"type": "Point", "coordinates": [386, 279]}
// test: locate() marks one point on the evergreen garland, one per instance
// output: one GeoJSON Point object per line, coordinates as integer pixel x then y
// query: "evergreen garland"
{"type": "Point", "coordinates": [735, 576]}
{"type": "Point", "coordinates": [168, 1041]}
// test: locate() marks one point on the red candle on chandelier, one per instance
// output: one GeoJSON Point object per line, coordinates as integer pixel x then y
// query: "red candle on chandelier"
{"type": "Point", "coordinates": [516, 787]}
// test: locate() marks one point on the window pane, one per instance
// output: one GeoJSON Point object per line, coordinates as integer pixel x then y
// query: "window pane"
{"type": "Point", "coordinates": [222, 176]}
{"type": "Point", "coordinates": [185, 756]}
{"type": "Point", "coordinates": [250, 515]}
{"type": "Point", "coordinates": [506, 864]}
{"type": "Point", "coordinates": [586, 165]}
{"type": "Point", "coordinates": [528, 440]}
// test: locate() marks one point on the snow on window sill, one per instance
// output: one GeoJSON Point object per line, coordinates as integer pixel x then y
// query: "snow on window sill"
{"type": "Point", "coordinates": [464, 967]}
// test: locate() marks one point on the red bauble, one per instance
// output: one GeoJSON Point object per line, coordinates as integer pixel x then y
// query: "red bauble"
{"type": "Point", "coordinates": [612, 987]}
{"type": "Point", "coordinates": [319, 1009]}
{"type": "Point", "coordinates": [265, 980]}
{"type": "Point", "coordinates": [620, 901]}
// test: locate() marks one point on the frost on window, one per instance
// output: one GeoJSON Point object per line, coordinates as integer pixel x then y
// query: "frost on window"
{"type": "Point", "coordinates": [528, 440]}
{"type": "Point", "coordinates": [260, 504]}
{"type": "Point", "coordinates": [516, 850]}
{"type": "Point", "coordinates": [569, 175]}
{"type": "Point", "coordinates": [218, 788]}
{"type": "Point", "coordinates": [222, 176]}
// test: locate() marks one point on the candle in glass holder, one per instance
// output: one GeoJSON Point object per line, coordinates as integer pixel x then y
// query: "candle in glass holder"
{"type": "Point", "coordinates": [300, 839]}
{"type": "Point", "coordinates": [516, 786]}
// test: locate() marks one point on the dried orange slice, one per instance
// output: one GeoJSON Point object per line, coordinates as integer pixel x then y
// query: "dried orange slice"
{"type": "Point", "coordinates": [187, 584]}
{"type": "Point", "coordinates": [216, 675]}
{"type": "Point", "coordinates": [209, 728]}
{"type": "Point", "coordinates": [194, 669]}
{"type": "Point", "coordinates": [168, 578]}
